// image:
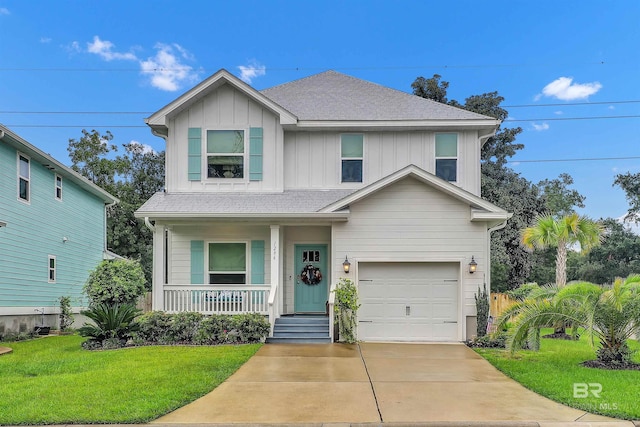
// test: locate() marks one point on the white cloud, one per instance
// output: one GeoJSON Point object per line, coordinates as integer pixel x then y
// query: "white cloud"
{"type": "Point", "coordinates": [45, 40]}
{"type": "Point", "coordinates": [558, 113]}
{"type": "Point", "coordinates": [4, 11]}
{"type": "Point", "coordinates": [104, 49]}
{"type": "Point", "coordinates": [251, 71]}
{"type": "Point", "coordinates": [540, 127]}
{"type": "Point", "coordinates": [565, 89]}
{"type": "Point", "coordinates": [166, 69]}
{"type": "Point", "coordinates": [611, 107]}
{"type": "Point", "coordinates": [145, 148]}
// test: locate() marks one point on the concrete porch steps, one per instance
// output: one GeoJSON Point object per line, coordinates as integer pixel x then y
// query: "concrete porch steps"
{"type": "Point", "coordinates": [301, 329]}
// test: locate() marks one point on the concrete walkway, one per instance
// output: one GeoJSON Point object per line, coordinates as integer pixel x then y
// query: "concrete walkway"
{"type": "Point", "coordinates": [375, 383]}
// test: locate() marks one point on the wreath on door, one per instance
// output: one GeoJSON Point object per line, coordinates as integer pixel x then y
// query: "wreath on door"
{"type": "Point", "coordinates": [311, 275]}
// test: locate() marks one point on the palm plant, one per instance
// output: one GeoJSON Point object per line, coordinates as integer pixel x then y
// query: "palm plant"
{"type": "Point", "coordinates": [563, 233]}
{"type": "Point", "coordinates": [110, 322]}
{"type": "Point", "coordinates": [609, 314]}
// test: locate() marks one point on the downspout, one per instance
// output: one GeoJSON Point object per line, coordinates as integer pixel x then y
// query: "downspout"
{"type": "Point", "coordinates": [489, 231]}
{"type": "Point", "coordinates": [149, 225]}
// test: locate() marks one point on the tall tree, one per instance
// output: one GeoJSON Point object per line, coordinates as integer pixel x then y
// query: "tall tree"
{"type": "Point", "coordinates": [630, 183]}
{"type": "Point", "coordinates": [510, 263]}
{"type": "Point", "coordinates": [563, 233]}
{"type": "Point", "coordinates": [560, 200]}
{"type": "Point", "coordinates": [132, 177]}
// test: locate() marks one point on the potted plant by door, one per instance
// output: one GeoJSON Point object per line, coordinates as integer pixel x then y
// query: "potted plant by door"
{"type": "Point", "coordinates": [347, 307]}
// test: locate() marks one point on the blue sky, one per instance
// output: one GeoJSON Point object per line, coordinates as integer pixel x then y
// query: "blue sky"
{"type": "Point", "coordinates": [137, 56]}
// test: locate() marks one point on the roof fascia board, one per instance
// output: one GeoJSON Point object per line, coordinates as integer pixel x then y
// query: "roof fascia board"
{"type": "Point", "coordinates": [159, 118]}
{"type": "Point", "coordinates": [398, 124]}
{"type": "Point", "coordinates": [341, 215]}
{"type": "Point", "coordinates": [423, 176]}
{"type": "Point", "coordinates": [55, 166]}
{"type": "Point", "coordinates": [481, 216]}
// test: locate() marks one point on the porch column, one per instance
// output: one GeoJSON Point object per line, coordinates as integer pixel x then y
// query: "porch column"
{"type": "Point", "coordinates": [158, 275]}
{"type": "Point", "coordinates": [276, 264]}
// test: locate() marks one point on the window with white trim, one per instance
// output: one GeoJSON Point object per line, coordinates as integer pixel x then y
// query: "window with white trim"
{"type": "Point", "coordinates": [52, 269]}
{"type": "Point", "coordinates": [225, 153]}
{"type": "Point", "coordinates": [24, 178]}
{"type": "Point", "coordinates": [351, 155]}
{"type": "Point", "coordinates": [58, 187]}
{"type": "Point", "coordinates": [447, 156]}
{"type": "Point", "coordinates": [227, 263]}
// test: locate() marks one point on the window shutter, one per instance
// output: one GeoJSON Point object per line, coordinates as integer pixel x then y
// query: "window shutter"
{"type": "Point", "coordinates": [255, 154]}
{"type": "Point", "coordinates": [257, 262]}
{"type": "Point", "coordinates": [195, 154]}
{"type": "Point", "coordinates": [197, 262]}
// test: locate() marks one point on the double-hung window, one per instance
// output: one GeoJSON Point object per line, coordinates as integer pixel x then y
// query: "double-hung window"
{"type": "Point", "coordinates": [52, 269]}
{"type": "Point", "coordinates": [447, 156]}
{"type": "Point", "coordinates": [225, 154]}
{"type": "Point", "coordinates": [227, 263]}
{"type": "Point", "coordinates": [58, 187]}
{"type": "Point", "coordinates": [352, 155]}
{"type": "Point", "coordinates": [24, 178]}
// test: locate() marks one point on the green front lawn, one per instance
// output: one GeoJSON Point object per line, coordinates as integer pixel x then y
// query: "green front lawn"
{"type": "Point", "coordinates": [54, 381]}
{"type": "Point", "coordinates": [553, 371]}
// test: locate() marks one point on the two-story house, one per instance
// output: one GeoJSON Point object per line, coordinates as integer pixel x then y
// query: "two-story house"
{"type": "Point", "coordinates": [52, 234]}
{"type": "Point", "coordinates": [272, 196]}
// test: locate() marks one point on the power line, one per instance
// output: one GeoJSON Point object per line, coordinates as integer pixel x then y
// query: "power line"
{"type": "Point", "coordinates": [572, 118]}
{"type": "Point", "coordinates": [570, 103]}
{"type": "Point", "coordinates": [393, 67]}
{"type": "Point", "coordinates": [588, 159]}
{"type": "Point", "coordinates": [151, 112]}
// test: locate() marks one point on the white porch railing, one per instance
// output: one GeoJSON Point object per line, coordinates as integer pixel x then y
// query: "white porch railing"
{"type": "Point", "coordinates": [332, 303]}
{"type": "Point", "coordinates": [218, 299]}
{"type": "Point", "coordinates": [274, 307]}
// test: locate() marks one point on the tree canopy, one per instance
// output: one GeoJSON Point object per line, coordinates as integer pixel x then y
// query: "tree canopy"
{"type": "Point", "coordinates": [132, 177]}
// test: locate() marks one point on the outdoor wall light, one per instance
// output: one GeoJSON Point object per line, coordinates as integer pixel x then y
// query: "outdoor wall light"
{"type": "Point", "coordinates": [473, 265]}
{"type": "Point", "coordinates": [346, 265]}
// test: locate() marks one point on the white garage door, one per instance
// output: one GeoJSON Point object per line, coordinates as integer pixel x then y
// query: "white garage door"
{"type": "Point", "coordinates": [408, 301]}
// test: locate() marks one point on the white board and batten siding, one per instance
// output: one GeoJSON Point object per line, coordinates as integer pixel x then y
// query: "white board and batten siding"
{"type": "Point", "coordinates": [224, 109]}
{"type": "Point", "coordinates": [313, 158]}
{"type": "Point", "coordinates": [412, 222]}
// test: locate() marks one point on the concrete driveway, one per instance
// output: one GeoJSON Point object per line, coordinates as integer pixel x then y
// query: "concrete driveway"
{"type": "Point", "coordinates": [373, 383]}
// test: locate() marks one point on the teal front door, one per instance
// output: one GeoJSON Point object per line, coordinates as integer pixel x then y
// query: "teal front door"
{"type": "Point", "coordinates": [312, 278]}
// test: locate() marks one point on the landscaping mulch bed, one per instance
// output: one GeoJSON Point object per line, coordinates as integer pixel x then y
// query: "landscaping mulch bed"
{"type": "Point", "coordinates": [561, 336]}
{"type": "Point", "coordinates": [612, 366]}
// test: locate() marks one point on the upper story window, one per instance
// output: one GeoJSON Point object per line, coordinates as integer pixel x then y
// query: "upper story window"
{"type": "Point", "coordinates": [24, 178]}
{"type": "Point", "coordinates": [351, 153]}
{"type": "Point", "coordinates": [227, 263]}
{"type": "Point", "coordinates": [225, 154]}
{"type": "Point", "coordinates": [58, 187]}
{"type": "Point", "coordinates": [447, 156]}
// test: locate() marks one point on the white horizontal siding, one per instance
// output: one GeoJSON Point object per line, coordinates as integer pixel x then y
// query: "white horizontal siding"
{"type": "Point", "coordinates": [179, 255]}
{"type": "Point", "coordinates": [410, 221]}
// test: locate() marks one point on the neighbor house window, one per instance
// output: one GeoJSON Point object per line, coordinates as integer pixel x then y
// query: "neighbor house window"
{"type": "Point", "coordinates": [227, 263]}
{"type": "Point", "coordinates": [58, 187]}
{"type": "Point", "coordinates": [351, 146]}
{"type": "Point", "coordinates": [225, 154]}
{"type": "Point", "coordinates": [52, 269]}
{"type": "Point", "coordinates": [24, 178]}
{"type": "Point", "coordinates": [447, 156]}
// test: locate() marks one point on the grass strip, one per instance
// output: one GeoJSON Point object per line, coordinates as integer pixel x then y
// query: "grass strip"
{"type": "Point", "coordinates": [53, 380]}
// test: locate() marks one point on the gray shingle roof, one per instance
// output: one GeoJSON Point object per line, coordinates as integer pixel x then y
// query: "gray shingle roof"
{"type": "Point", "coordinates": [334, 96]}
{"type": "Point", "coordinates": [291, 201]}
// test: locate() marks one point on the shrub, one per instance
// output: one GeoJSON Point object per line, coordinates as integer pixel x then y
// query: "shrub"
{"type": "Point", "coordinates": [111, 322]}
{"type": "Point", "coordinates": [153, 327]}
{"type": "Point", "coordinates": [214, 329]}
{"type": "Point", "coordinates": [347, 306]}
{"type": "Point", "coordinates": [482, 311]}
{"type": "Point", "coordinates": [66, 315]}
{"type": "Point", "coordinates": [495, 340]}
{"type": "Point", "coordinates": [251, 327]}
{"type": "Point", "coordinates": [115, 281]}
{"type": "Point", "coordinates": [184, 326]}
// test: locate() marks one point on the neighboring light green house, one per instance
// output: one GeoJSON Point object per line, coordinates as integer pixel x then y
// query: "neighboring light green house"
{"type": "Point", "coordinates": [52, 234]}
